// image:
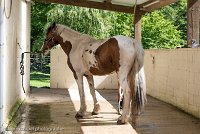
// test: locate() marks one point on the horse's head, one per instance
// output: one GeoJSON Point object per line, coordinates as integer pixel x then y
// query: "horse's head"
{"type": "Point", "coordinates": [50, 40]}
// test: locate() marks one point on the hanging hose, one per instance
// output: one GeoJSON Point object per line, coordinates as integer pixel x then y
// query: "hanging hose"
{"type": "Point", "coordinates": [135, 6]}
{"type": "Point", "coordinates": [22, 69]}
{"type": "Point", "coordinates": [8, 15]}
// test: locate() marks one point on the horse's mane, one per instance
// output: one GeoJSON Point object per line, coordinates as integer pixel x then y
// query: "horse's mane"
{"type": "Point", "coordinates": [61, 27]}
{"type": "Point", "coordinates": [68, 29]}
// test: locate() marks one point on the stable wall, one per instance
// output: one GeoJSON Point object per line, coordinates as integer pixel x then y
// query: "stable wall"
{"type": "Point", "coordinates": [172, 76]}
{"type": "Point", "coordinates": [15, 39]}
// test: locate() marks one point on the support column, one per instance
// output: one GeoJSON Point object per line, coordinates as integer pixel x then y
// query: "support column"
{"type": "Point", "coordinates": [138, 24]}
{"type": "Point", "coordinates": [1, 64]}
{"type": "Point", "coordinates": [192, 22]}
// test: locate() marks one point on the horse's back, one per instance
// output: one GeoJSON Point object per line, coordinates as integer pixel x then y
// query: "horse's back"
{"type": "Point", "coordinates": [106, 56]}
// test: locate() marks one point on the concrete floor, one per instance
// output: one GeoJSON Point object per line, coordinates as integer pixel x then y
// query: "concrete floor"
{"type": "Point", "coordinates": [53, 111]}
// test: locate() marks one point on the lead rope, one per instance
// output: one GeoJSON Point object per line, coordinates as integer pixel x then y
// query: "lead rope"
{"type": "Point", "coordinates": [22, 68]}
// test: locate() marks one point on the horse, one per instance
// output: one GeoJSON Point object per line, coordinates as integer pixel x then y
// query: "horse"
{"type": "Point", "coordinates": [87, 56]}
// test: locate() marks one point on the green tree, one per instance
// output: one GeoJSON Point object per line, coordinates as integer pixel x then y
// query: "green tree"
{"type": "Point", "coordinates": [165, 28]}
{"type": "Point", "coordinates": [38, 21]}
{"type": "Point", "coordinates": [158, 32]}
{"type": "Point", "coordinates": [122, 24]}
{"type": "Point", "coordinates": [94, 22]}
{"type": "Point", "coordinates": [177, 13]}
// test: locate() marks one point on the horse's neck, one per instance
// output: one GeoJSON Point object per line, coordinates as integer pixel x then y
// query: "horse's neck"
{"type": "Point", "coordinates": [73, 36]}
{"type": "Point", "coordinates": [69, 36]}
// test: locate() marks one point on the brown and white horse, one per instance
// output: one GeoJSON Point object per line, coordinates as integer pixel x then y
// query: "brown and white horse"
{"type": "Point", "coordinates": [88, 56]}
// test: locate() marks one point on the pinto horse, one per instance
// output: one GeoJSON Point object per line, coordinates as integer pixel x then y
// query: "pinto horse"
{"type": "Point", "coordinates": [88, 56]}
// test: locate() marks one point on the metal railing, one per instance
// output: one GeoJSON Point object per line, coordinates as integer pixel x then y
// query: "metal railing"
{"type": "Point", "coordinates": [39, 62]}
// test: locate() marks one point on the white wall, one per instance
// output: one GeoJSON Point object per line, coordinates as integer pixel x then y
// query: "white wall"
{"type": "Point", "coordinates": [174, 77]}
{"type": "Point", "coordinates": [16, 30]}
{"type": "Point", "coordinates": [62, 77]}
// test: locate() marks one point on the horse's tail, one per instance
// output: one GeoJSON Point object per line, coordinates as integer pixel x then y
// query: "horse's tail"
{"type": "Point", "coordinates": [137, 81]}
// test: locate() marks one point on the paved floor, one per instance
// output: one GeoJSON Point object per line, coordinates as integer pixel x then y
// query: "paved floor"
{"type": "Point", "coordinates": [53, 111]}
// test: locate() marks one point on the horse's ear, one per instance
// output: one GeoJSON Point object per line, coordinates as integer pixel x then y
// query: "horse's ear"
{"type": "Point", "coordinates": [51, 27]}
{"type": "Point", "coordinates": [54, 24]}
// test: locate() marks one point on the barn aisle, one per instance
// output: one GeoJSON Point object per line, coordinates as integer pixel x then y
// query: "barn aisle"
{"type": "Point", "coordinates": [53, 111]}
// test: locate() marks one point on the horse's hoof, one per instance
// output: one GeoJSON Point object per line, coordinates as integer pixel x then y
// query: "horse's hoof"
{"type": "Point", "coordinates": [93, 113]}
{"type": "Point", "coordinates": [119, 122]}
{"type": "Point", "coordinates": [78, 116]}
{"type": "Point", "coordinates": [119, 111]}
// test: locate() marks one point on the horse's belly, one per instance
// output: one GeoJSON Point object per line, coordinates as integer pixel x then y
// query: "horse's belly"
{"type": "Point", "coordinates": [97, 71]}
{"type": "Point", "coordinates": [103, 59]}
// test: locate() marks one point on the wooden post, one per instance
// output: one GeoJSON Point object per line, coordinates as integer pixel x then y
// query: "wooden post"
{"type": "Point", "coordinates": [192, 22]}
{"type": "Point", "coordinates": [138, 24]}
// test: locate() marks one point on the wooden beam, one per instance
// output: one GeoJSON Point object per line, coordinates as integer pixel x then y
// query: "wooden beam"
{"type": "Point", "coordinates": [138, 25]}
{"type": "Point", "coordinates": [106, 5]}
{"type": "Point", "coordinates": [192, 22]}
{"type": "Point", "coordinates": [108, 1]}
{"type": "Point", "coordinates": [155, 5]}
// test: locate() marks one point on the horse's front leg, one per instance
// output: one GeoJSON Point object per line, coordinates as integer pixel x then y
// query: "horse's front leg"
{"type": "Point", "coordinates": [93, 93]}
{"type": "Point", "coordinates": [83, 107]}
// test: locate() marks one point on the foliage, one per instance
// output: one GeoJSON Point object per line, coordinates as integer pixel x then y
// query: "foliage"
{"type": "Point", "coordinates": [94, 22]}
{"type": "Point", "coordinates": [122, 24]}
{"type": "Point", "coordinates": [38, 21]}
{"type": "Point", "coordinates": [165, 28]}
{"type": "Point", "coordinates": [158, 32]}
{"type": "Point", "coordinates": [177, 14]}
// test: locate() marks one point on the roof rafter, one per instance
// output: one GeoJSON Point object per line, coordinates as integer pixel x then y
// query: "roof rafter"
{"type": "Point", "coordinates": [152, 5]}
{"type": "Point", "coordinates": [148, 6]}
{"type": "Point", "coordinates": [106, 5]}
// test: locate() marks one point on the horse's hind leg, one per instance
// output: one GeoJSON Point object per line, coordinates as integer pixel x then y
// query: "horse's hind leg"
{"type": "Point", "coordinates": [123, 79]}
{"type": "Point", "coordinates": [120, 98]}
{"type": "Point", "coordinates": [92, 91]}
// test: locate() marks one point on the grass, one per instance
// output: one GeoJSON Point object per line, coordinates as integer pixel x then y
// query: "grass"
{"type": "Point", "coordinates": [39, 79]}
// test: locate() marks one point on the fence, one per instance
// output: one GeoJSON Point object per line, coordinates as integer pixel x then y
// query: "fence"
{"type": "Point", "coordinates": [39, 62]}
